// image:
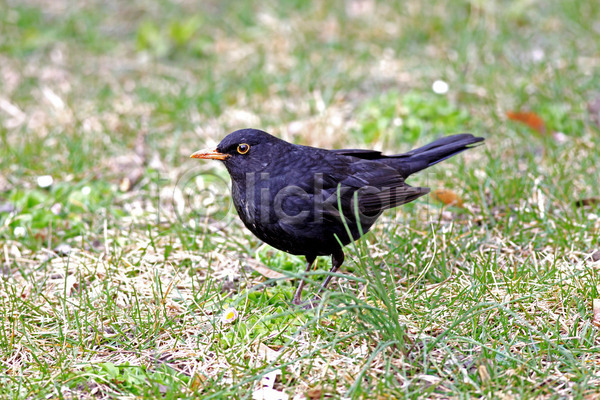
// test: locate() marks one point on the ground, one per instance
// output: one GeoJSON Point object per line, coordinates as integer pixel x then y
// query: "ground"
{"type": "Point", "coordinates": [119, 255]}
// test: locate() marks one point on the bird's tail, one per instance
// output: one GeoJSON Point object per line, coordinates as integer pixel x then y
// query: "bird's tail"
{"type": "Point", "coordinates": [433, 153]}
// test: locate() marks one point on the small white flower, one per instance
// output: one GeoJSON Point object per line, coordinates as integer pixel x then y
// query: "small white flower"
{"type": "Point", "coordinates": [86, 190]}
{"type": "Point", "coordinates": [537, 55]}
{"type": "Point", "coordinates": [440, 87]}
{"type": "Point", "coordinates": [19, 231]}
{"type": "Point", "coordinates": [229, 315]}
{"type": "Point", "coordinates": [45, 181]}
{"type": "Point", "coordinates": [560, 137]}
{"type": "Point", "coordinates": [56, 208]}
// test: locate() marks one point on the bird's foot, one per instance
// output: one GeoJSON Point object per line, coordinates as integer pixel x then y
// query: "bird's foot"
{"type": "Point", "coordinates": [297, 300]}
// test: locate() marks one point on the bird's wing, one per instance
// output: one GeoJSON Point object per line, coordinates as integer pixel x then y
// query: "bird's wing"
{"type": "Point", "coordinates": [319, 176]}
{"type": "Point", "coordinates": [359, 153]}
{"type": "Point", "coordinates": [379, 187]}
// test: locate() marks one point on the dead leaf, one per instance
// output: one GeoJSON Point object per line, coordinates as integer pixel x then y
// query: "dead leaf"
{"type": "Point", "coordinates": [448, 197]}
{"type": "Point", "coordinates": [595, 256]}
{"type": "Point", "coordinates": [267, 353]}
{"type": "Point", "coordinates": [315, 392]}
{"type": "Point", "coordinates": [197, 382]}
{"type": "Point", "coordinates": [266, 391]}
{"type": "Point", "coordinates": [483, 373]}
{"type": "Point", "coordinates": [15, 252]}
{"type": "Point", "coordinates": [596, 312]}
{"type": "Point", "coordinates": [591, 201]}
{"type": "Point", "coordinates": [264, 270]}
{"type": "Point", "coordinates": [269, 394]}
{"type": "Point", "coordinates": [268, 380]}
{"type": "Point", "coordinates": [41, 236]}
{"type": "Point", "coordinates": [128, 182]}
{"type": "Point", "coordinates": [530, 119]}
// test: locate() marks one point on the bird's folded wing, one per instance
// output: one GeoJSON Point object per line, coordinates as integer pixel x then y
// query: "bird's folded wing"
{"type": "Point", "coordinates": [390, 198]}
{"type": "Point", "coordinates": [359, 153]}
{"type": "Point", "coordinates": [377, 187]}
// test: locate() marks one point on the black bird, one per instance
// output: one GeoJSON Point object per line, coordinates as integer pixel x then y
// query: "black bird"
{"type": "Point", "coordinates": [312, 202]}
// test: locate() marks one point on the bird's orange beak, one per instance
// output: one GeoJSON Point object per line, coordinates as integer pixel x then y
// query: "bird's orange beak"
{"type": "Point", "coordinates": [210, 155]}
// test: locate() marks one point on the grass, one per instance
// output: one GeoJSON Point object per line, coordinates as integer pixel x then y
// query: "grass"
{"type": "Point", "coordinates": [114, 278]}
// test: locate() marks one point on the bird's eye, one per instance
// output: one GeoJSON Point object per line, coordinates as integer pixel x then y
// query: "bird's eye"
{"type": "Point", "coordinates": [243, 148]}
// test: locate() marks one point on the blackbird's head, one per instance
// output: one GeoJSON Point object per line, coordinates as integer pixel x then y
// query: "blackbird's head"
{"type": "Point", "coordinates": [246, 151]}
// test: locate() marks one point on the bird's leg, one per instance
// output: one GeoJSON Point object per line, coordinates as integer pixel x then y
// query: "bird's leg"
{"type": "Point", "coordinates": [298, 296]}
{"type": "Point", "coordinates": [337, 259]}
